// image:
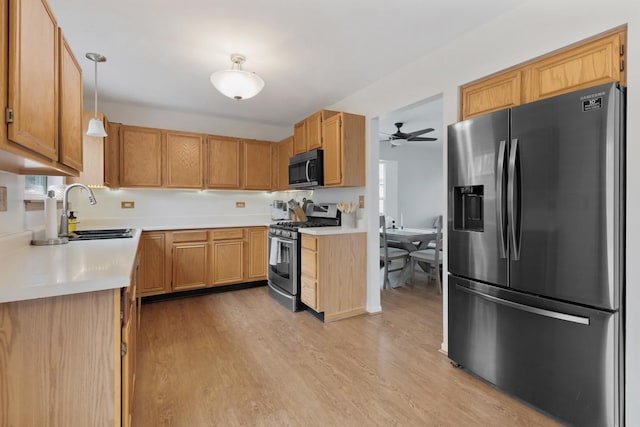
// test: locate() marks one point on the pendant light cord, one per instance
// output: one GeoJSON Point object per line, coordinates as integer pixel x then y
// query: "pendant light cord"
{"type": "Point", "coordinates": [95, 89]}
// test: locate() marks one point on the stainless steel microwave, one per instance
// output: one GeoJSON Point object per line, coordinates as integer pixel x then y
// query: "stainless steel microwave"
{"type": "Point", "coordinates": [306, 170]}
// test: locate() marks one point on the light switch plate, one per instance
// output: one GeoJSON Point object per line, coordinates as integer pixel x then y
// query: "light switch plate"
{"type": "Point", "coordinates": [3, 199]}
{"type": "Point", "coordinates": [361, 201]}
{"type": "Point", "coordinates": [240, 204]}
{"type": "Point", "coordinates": [129, 204]}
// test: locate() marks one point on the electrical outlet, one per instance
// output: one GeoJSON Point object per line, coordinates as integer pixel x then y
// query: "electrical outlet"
{"type": "Point", "coordinates": [3, 199]}
{"type": "Point", "coordinates": [130, 204]}
{"type": "Point", "coordinates": [361, 202]}
{"type": "Point", "coordinates": [239, 204]}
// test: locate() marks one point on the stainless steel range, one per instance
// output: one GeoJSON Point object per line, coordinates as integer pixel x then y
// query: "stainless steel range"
{"type": "Point", "coordinates": [284, 252]}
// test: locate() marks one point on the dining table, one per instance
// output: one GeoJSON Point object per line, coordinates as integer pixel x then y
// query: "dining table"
{"type": "Point", "coordinates": [411, 239]}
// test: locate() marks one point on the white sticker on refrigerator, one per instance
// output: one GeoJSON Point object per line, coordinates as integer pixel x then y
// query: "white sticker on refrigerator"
{"type": "Point", "coordinates": [592, 104]}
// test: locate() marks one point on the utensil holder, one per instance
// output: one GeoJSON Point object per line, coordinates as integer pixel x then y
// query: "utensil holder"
{"type": "Point", "coordinates": [349, 220]}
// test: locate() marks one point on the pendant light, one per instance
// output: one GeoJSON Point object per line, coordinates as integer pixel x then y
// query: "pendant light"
{"type": "Point", "coordinates": [96, 127]}
{"type": "Point", "coordinates": [235, 82]}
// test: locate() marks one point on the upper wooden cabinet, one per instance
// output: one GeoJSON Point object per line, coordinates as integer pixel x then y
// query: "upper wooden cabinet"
{"type": "Point", "coordinates": [33, 76]}
{"type": "Point", "coordinates": [223, 167]}
{"type": "Point", "coordinates": [344, 153]}
{"type": "Point", "coordinates": [300, 137]}
{"type": "Point", "coordinates": [307, 134]}
{"type": "Point", "coordinates": [257, 165]}
{"type": "Point", "coordinates": [285, 151]}
{"type": "Point", "coordinates": [495, 93]}
{"type": "Point", "coordinates": [70, 132]}
{"type": "Point", "coordinates": [595, 61]}
{"type": "Point", "coordinates": [40, 93]}
{"type": "Point", "coordinates": [184, 153]}
{"type": "Point", "coordinates": [140, 157]}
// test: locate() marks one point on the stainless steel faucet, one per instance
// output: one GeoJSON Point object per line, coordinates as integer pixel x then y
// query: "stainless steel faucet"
{"type": "Point", "coordinates": [64, 219]}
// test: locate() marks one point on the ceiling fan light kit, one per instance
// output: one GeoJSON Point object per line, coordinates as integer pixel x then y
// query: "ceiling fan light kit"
{"type": "Point", "coordinates": [96, 127]}
{"type": "Point", "coordinates": [237, 83]}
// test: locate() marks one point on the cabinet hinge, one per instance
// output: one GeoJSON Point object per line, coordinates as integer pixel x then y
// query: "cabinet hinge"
{"type": "Point", "coordinates": [622, 65]}
{"type": "Point", "coordinates": [8, 115]}
{"type": "Point", "coordinates": [123, 349]}
{"type": "Point", "coordinates": [621, 50]}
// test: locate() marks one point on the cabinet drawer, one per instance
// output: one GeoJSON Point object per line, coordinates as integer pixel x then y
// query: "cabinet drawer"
{"type": "Point", "coordinates": [309, 293]}
{"type": "Point", "coordinates": [309, 242]}
{"type": "Point", "coordinates": [227, 234]}
{"type": "Point", "coordinates": [190, 236]}
{"type": "Point", "coordinates": [309, 264]}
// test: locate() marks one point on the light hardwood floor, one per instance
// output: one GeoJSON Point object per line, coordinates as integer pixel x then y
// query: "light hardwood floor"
{"type": "Point", "coordinates": [239, 359]}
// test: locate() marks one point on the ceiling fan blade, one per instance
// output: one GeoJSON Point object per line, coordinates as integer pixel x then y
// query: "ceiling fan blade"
{"type": "Point", "coordinates": [420, 132]}
{"type": "Point", "coordinates": [420, 138]}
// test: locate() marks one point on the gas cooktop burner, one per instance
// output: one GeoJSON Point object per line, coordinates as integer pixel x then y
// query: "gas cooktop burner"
{"type": "Point", "coordinates": [293, 225]}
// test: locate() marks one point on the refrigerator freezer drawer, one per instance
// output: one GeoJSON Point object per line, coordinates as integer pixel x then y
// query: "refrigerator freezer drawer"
{"type": "Point", "coordinates": [563, 359]}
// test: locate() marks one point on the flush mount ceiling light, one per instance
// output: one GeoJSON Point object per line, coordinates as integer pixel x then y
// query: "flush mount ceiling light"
{"type": "Point", "coordinates": [237, 83]}
{"type": "Point", "coordinates": [96, 127]}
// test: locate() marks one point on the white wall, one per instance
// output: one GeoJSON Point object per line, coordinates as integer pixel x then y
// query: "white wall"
{"type": "Point", "coordinates": [531, 30]}
{"type": "Point", "coordinates": [138, 115]}
{"type": "Point", "coordinates": [420, 184]}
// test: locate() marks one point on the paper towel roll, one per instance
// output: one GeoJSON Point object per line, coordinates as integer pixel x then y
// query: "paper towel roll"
{"type": "Point", "coordinates": [50, 216]}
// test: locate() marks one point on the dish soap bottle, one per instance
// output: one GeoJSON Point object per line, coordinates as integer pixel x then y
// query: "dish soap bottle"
{"type": "Point", "coordinates": [73, 222]}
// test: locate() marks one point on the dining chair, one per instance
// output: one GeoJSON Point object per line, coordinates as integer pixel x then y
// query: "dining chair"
{"type": "Point", "coordinates": [388, 254]}
{"type": "Point", "coordinates": [431, 256]}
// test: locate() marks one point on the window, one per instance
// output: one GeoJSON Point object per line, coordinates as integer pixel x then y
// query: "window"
{"type": "Point", "coordinates": [382, 186]}
{"type": "Point", "coordinates": [35, 185]}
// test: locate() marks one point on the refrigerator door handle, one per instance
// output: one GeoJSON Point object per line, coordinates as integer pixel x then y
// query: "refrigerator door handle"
{"type": "Point", "coordinates": [502, 227]}
{"type": "Point", "coordinates": [534, 310]}
{"type": "Point", "coordinates": [513, 198]}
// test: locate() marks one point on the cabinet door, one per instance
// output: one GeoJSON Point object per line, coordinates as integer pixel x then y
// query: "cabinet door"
{"type": "Point", "coordinates": [70, 135]}
{"type": "Point", "coordinates": [314, 131]}
{"type": "Point", "coordinates": [300, 137]}
{"type": "Point", "coordinates": [257, 254]}
{"type": "Point", "coordinates": [492, 94]}
{"type": "Point", "coordinates": [189, 265]}
{"type": "Point", "coordinates": [332, 137]}
{"type": "Point", "coordinates": [309, 293]}
{"type": "Point", "coordinates": [33, 76]}
{"type": "Point", "coordinates": [223, 170]}
{"type": "Point", "coordinates": [227, 262]}
{"type": "Point", "coordinates": [257, 165]}
{"type": "Point", "coordinates": [184, 160]}
{"type": "Point", "coordinates": [140, 157]}
{"type": "Point", "coordinates": [129, 366]}
{"type": "Point", "coordinates": [594, 63]}
{"type": "Point", "coordinates": [111, 154]}
{"type": "Point", "coordinates": [152, 279]}
{"type": "Point", "coordinates": [285, 151]}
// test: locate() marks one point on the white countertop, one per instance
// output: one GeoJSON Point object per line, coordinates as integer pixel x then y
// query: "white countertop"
{"type": "Point", "coordinates": [328, 231]}
{"type": "Point", "coordinates": [30, 272]}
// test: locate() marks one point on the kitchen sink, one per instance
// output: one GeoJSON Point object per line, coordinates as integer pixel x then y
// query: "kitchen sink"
{"type": "Point", "coordinates": [118, 233]}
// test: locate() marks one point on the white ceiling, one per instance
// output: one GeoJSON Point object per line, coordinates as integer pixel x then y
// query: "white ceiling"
{"type": "Point", "coordinates": [311, 54]}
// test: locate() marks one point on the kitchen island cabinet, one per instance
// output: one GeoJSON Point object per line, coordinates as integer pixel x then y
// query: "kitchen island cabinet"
{"type": "Point", "coordinates": [333, 279]}
{"type": "Point", "coordinates": [68, 334]}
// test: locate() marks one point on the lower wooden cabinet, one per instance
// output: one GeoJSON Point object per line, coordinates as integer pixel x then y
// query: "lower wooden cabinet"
{"type": "Point", "coordinates": [173, 261]}
{"type": "Point", "coordinates": [334, 274]}
{"type": "Point", "coordinates": [68, 360]}
{"type": "Point", "coordinates": [153, 264]}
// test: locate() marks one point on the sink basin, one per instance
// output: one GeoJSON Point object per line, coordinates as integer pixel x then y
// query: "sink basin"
{"type": "Point", "coordinates": [118, 233]}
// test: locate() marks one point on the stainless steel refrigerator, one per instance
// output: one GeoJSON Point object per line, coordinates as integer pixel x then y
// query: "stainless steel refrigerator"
{"type": "Point", "coordinates": [536, 252]}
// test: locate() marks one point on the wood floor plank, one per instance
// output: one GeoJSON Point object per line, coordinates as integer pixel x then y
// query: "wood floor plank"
{"type": "Point", "coordinates": [240, 359]}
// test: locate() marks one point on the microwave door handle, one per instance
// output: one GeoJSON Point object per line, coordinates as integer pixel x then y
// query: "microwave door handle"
{"type": "Point", "coordinates": [306, 170]}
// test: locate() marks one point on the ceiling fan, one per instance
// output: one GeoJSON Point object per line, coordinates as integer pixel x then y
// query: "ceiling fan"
{"type": "Point", "coordinates": [398, 138]}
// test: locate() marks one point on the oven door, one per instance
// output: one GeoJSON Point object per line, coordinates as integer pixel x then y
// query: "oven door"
{"type": "Point", "coordinates": [283, 264]}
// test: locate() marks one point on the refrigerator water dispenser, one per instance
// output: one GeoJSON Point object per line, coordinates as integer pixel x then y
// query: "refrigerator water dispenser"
{"type": "Point", "coordinates": [468, 212]}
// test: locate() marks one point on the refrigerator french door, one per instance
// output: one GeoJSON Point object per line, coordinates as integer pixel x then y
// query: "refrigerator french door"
{"type": "Point", "coordinates": [536, 226]}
